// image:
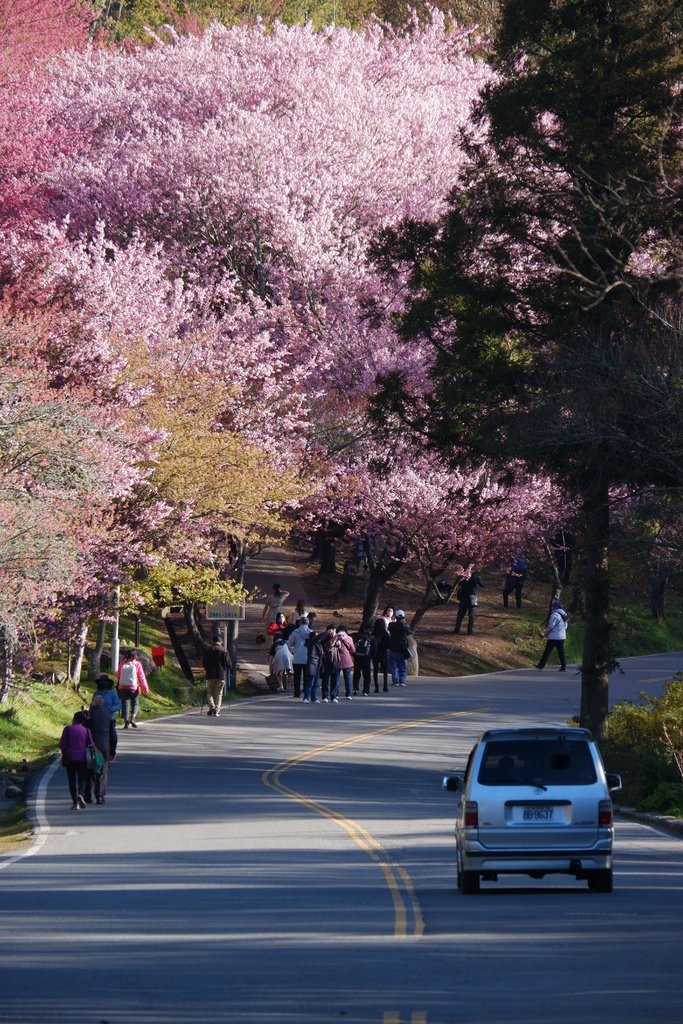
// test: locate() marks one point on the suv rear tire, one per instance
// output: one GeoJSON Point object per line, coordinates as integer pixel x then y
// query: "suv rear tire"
{"type": "Point", "coordinates": [600, 881]}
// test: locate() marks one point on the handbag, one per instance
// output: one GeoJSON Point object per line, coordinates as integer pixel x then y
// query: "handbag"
{"type": "Point", "coordinates": [94, 760]}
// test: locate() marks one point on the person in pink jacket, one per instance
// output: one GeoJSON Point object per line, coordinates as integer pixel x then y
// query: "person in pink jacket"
{"type": "Point", "coordinates": [132, 682]}
{"type": "Point", "coordinates": [73, 744]}
{"type": "Point", "coordinates": [346, 649]}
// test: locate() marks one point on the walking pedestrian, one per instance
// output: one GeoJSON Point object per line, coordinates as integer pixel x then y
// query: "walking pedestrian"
{"type": "Point", "coordinates": [362, 659]}
{"type": "Point", "coordinates": [110, 698]}
{"type": "Point", "coordinates": [514, 581]}
{"type": "Point", "coordinates": [74, 743]}
{"type": "Point", "coordinates": [555, 633]}
{"type": "Point", "coordinates": [217, 663]}
{"type": "Point", "coordinates": [132, 682]}
{"type": "Point", "coordinates": [466, 593]}
{"type": "Point", "coordinates": [103, 729]}
{"type": "Point", "coordinates": [380, 660]}
{"type": "Point", "coordinates": [399, 652]}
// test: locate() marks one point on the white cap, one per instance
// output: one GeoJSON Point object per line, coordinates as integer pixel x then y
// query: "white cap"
{"type": "Point", "coordinates": [399, 614]}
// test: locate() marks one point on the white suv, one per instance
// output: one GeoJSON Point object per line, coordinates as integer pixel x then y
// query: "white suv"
{"type": "Point", "coordinates": [534, 802]}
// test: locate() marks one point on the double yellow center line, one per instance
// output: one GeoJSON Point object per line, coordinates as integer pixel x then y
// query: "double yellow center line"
{"type": "Point", "coordinates": [408, 920]}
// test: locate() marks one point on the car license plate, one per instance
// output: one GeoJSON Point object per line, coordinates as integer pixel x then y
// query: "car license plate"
{"type": "Point", "coordinates": [537, 812]}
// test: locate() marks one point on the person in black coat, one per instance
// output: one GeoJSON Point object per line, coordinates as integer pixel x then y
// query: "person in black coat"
{"type": "Point", "coordinates": [399, 652]}
{"type": "Point", "coordinates": [467, 600]}
{"type": "Point", "coordinates": [103, 729]}
{"type": "Point", "coordinates": [514, 581]}
{"type": "Point", "coordinates": [217, 664]}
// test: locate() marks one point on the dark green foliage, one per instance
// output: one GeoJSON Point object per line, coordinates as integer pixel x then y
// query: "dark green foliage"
{"type": "Point", "coordinates": [641, 742]}
{"type": "Point", "coordinates": [551, 287]}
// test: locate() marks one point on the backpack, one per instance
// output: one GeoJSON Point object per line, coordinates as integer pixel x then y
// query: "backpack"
{"type": "Point", "coordinates": [316, 654]}
{"type": "Point", "coordinates": [363, 646]}
{"type": "Point", "coordinates": [128, 678]}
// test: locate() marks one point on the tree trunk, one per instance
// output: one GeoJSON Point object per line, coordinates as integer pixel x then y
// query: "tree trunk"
{"type": "Point", "coordinates": [552, 561]}
{"type": "Point", "coordinates": [327, 553]}
{"type": "Point", "coordinates": [77, 667]}
{"type": "Point", "coordinates": [7, 645]}
{"type": "Point", "coordinates": [179, 650]}
{"type": "Point", "coordinates": [596, 657]}
{"type": "Point", "coordinates": [95, 655]}
{"type": "Point", "coordinates": [377, 577]}
{"type": "Point", "coordinates": [193, 629]}
{"type": "Point", "coordinates": [658, 596]}
{"type": "Point", "coordinates": [430, 599]}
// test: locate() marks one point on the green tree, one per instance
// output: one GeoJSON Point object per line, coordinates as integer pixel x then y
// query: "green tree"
{"type": "Point", "coordinates": [550, 288]}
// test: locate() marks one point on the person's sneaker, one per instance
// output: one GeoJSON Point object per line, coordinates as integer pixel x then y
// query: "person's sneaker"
{"type": "Point", "coordinates": [81, 801]}
{"type": "Point", "coordinates": [326, 700]}
{"type": "Point", "coordinates": [385, 690]}
{"type": "Point", "coordinates": [126, 724]}
{"type": "Point", "coordinates": [347, 697]}
{"type": "Point", "coordinates": [75, 807]}
{"type": "Point", "coordinates": [316, 701]}
{"type": "Point", "coordinates": [401, 684]}
{"type": "Point", "coordinates": [366, 693]}
{"type": "Point", "coordinates": [280, 689]}
{"type": "Point", "coordinates": [216, 713]}
{"type": "Point", "coordinates": [99, 800]}
{"type": "Point", "coordinates": [335, 700]}
{"type": "Point", "coordinates": [133, 724]}
{"type": "Point", "coordinates": [307, 701]}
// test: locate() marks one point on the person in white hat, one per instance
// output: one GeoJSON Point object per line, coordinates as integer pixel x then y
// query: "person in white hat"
{"type": "Point", "coordinates": [399, 631]}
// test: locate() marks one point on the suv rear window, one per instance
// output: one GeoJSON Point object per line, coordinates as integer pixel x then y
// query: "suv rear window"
{"type": "Point", "coordinates": [524, 762]}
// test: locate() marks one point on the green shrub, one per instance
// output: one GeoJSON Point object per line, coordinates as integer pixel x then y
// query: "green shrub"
{"type": "Point", "coordinates": [638, 748]}
{"type": "Point", "coordinates": [666, 799]}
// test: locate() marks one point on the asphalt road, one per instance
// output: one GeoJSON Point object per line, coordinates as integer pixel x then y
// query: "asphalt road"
{"type": "Point", "coordinates": [293, 862]}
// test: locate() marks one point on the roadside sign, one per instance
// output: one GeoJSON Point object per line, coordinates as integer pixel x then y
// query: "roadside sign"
{"type": "Point", "coordinates": [226, 612]}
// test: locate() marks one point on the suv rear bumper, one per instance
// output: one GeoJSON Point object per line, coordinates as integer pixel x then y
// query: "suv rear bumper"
{"type": "Point", "coordinates": [521, 862]}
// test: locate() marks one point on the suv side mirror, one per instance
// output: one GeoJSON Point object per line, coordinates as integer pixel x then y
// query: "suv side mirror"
{"type": "Point", "coordinates": [451, 782]}
{"type": "Point", "coordinates": [613, 782]}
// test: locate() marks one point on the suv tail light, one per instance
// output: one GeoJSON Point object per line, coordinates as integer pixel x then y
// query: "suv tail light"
{"type": "Point", "coordinates": [605, 812]}
{"type": "Point", "coordinates": [472, 814]}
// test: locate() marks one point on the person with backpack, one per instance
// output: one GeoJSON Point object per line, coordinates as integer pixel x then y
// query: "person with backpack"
{"type": "Point", "coordinates": [514, 581]}
{"type": "Point", "coordinates": [466, 593]}
{"type": "Point", "coordinates": [380, 660]}
{"type": "Point", "coordinates": [281, 664]}
{"type": "Point", "coordinates": [297, 643]}
{"type": "Point", "coordinates": [347, 649]}
{"type": "Point", "coordinates": [217, 663]}
{"type": "Point", "coordinates": [103, 729]}
{"type": "Point", "coordinates": [555, 632]}
{"type": "Point", "coordinates": [330, 671]}
{"type": "Point", "coordinates": [131, 683]}
{"type": "Point", "coordinates": [111, 700]}
{"type": "Point", "coordinates": [315, 664]}
{"type": "Point", "coordinates": [399, 652]}
{"type": "Point", "coordinates": [362, 659]}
